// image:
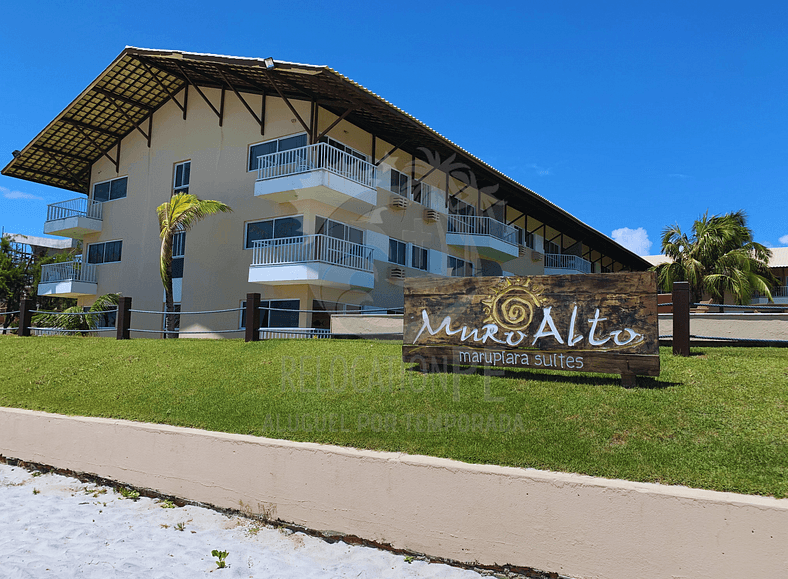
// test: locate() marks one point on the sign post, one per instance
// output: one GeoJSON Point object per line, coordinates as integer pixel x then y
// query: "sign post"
{"type": "Point", "coordinates": [583, 323]}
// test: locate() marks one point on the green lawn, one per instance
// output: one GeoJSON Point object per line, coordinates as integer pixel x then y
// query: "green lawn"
{"type": "Point", "coordinates": [717, 420]}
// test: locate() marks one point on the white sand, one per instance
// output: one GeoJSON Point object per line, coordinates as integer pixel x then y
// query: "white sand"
{"type": "Point", "coordinates": [67, 529]}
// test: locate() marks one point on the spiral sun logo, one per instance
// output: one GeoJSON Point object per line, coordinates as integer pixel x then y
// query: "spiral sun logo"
{"type": "Point", "coordinates": [511, 305]}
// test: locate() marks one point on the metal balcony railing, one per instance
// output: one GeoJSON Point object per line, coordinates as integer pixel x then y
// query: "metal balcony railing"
{"type": "Point", "coordinates": [306, 248]}
{"type": "Point", "coordinates": [314, 157]}
{"type": "Point", "coordinates": [473, 225]}
{"type": "Point", "coordinates": [68, 271]}
{"type": "Point", "coordinates": [560, 261]}
{"type": "Point", "coordinates": [82, 206]}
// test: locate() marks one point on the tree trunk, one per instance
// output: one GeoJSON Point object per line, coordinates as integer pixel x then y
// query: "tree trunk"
{"type": "Point", "coordinates": [169, 304]}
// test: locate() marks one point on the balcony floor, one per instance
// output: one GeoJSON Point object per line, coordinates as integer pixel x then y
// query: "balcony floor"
{"type": "Point", "coordinates": [321, 185]}
{"type": "Point", "coordinates": [75, 227]}
{"type": "Point", "coordinates": [487, 246]}
{"type": "Point", "coordinates": [312, 273]}
{"type": "Point", "coordinates": [67, 289]}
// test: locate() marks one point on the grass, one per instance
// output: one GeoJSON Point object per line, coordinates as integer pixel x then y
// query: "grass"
{"type": "Point", "coordinates": [716, 420]}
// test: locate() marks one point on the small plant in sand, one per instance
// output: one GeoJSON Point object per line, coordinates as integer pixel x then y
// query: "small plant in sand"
{"type": "Point", "coordinates": [35, 473]}
{"type": "Point", "coordinates": [220, 556]}
{"type": "Point", "coordinates": [36, 491]}
{"type": "Point", "coordinates": [180, 526]}
{"type": "Point", "coordinates": [167, 504]}
{"type": "Point", "coordinates": [409, 559]}
{"type": "Point", "coordinates": [128, 493]}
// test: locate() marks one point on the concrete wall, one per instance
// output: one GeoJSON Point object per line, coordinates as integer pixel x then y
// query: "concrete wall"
{"type": "Point", "coordinates": [577, 526]}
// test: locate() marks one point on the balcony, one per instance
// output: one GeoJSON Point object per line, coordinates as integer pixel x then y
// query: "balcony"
{"type": "Point", "coordinates": [312, 259]}
{"type": "Point", "coordinates": [559, 264]}
{"type": "Point", "coordinates": [491, 238]}
{"type": "Point", "coordinates": [320, 172]}
{"type": "Point", "coordinates": [779, 295]}
{"type": "Point", "coordinates": [69, 279]}
{"type": "Point", "coordinates": [74, 218]}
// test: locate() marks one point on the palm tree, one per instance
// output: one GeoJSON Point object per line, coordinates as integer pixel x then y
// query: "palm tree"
{"type": "Point", "coordinates": [719, 257]}
{"type": "Point", "coordinates": [77, 321]}
{"type": "Point", "coordinates": [179, 214]}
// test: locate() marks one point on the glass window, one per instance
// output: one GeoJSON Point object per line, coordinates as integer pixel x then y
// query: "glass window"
{"type": "Point", "coordinates": [182, 173]}
{"type": "Point", "coordinates": [457, 207]}
{"type": "Point", "coordinates": [459, 268]}
{"type": "Point", "coordinates": [342, 147]}
{"type": "Point", "coordinates": [274, 314]}
{"type": "Point", "coordinates": [273, 229]}
{"type": "Point", "coordinates": [397, 251]}
{"type": "Point", "coordinates": [399, 183]}
{"type": "Point", "coordinates": [419, 258]}
{"type": "Point", "coordinates": [106, 252]}
{"type": "Point", "coordinates": [275, 146]}
{"type": "Point", "coordinates": [179, 244]}
{"type": "Point", "coordinates": [101, 191]}
{"type": "Point", "coordinates": [109, 190]}
{"type": "Point", "coordinates": [339, 230]}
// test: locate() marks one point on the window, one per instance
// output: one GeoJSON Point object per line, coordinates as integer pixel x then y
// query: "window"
{"type": "Point", "coordinates": [550, 247]}
{"type": "Point", "coordinates": [459, 267]}
{"type": "Point", "coordinates": [178, 250]}
{"type": "Point", "coordinates": [275, 146]}
{"type": "Point", "coordinates": [397, 251]}
{"type": "Point", "coordinates": [182, 173]}
{"type": "Point", "coordinates": [400, 183]}
{"type": "Point", "coordinates": [278, 228]}
{"type": "Point", "coordinates": [106, 252]}
{"type": "Point", "coordinates": [418, 258]}
{"type": "Point", "coordinates": [275, 314]}
{"type": "Point", "coordinates": [339, 230]}
{"type": "Point", "coordinates": [110, 190]}
{"type": "Point", "coordinates": [457, 207]}
{"type": "Point", "coordinates": [349, 150]}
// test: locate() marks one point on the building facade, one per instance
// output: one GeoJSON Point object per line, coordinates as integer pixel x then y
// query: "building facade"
{"type": "Point", "coordinates": [337, 195]}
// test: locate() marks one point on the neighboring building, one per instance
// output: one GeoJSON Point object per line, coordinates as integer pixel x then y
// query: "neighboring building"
{"type": "Point", "coordinates": [337, 195]}
{"type": "Point", "coordinates": [40, 246]}
{"type": "Point", "coordinates": [778, 264]}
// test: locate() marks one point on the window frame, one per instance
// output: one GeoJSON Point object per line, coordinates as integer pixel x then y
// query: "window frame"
{"type": "Point", "coordinates": [278, 150]}
{"type": "Point", "coordinates": [345, 148]}
{"type": "Point", "coordinates": [398, 245]}
{"type": "Point", "coordinates": [267, 315]}
{"type": "Point", "coordinates": [103, 252]}
{"type": "Point", "coordinates": [458, 260]}
{"type": "Point", "coordinates": [347, 230]}
{"type": "Point", "coordinates": [426, 254]}
{"type": "Point", "coordinates": [109, 191]}
{"type": "Point", "coordinates": [181, 188]}
{"type": "Point", "coordinates": [247, 245]}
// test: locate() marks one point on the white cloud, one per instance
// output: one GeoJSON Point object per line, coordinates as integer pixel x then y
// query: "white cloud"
{"type": "Point", "coordinates": [784, 240]}
{"type": "Point", "coordinates": [678, 175]}
{"type": "Point", "coordinates": [633, 239]}
{"type": "Point", "coordinates": [8, 194]}
{"type": "Point", "coordinates": [541, 171]}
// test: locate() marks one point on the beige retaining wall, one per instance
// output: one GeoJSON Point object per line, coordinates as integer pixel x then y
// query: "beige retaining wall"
{"type": "Point", "coordinates": [577, 526]}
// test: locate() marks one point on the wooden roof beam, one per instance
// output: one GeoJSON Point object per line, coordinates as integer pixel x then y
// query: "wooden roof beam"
{"type": "Point", "coordinates": [122, 99]}
{"type": "Point", "coordinates": [86, 126]}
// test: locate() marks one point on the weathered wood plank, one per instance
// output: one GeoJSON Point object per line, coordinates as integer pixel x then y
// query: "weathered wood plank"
{"type": "Point", "coordinates": [607, 321]}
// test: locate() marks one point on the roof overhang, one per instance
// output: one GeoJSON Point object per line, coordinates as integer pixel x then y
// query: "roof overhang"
{"type": "Point", "coordinates": [125, 95]}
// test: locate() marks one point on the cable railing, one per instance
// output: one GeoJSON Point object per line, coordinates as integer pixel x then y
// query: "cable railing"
{"type": "Point", "coordinates": [311, 248]}
{"type": "Point", "coordinates": [315, 157]}
{"type": "Point", "coordinates": [474, 225]}
{"type": "Point", "coordinates": [561, 261]}
{"type": "Point", "coordinates": [68, 271]}
{"type": "Point", "coordinates": [81, 206]}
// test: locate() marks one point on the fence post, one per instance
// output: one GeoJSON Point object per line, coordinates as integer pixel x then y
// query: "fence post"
{"type": "Point", "coordinates": [25, 317]}
{"type": "Point", "coordinates": [681, 318]}
{"type": "Point", "coordinates": [252, 316]}
{"type": "Point", "coordinates": [123, 319]}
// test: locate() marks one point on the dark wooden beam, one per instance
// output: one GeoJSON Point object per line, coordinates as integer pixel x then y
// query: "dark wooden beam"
{"type": "Point", "coordinates": [161, 85]}
{"type": "Point", "coordinates": [391, 152]}
{"type": "Point", "coordinates": [258, 120]}
{"type": "Point", "coordinates": [73, 178]}
{"type": "Point", "coordinates": [199, 91]}
{"type": "Point", "coordinates": [111, 101]}
{"type": "Point", "coordinates": [122, 99]}
{"type": "Point", "coordinates": [262, 115]}
{"type": "Point", "coordinates": [287, 102]}
{"type": "Point", "coordinates": [62, 154]}
{"type": "Point", "coordinates": [81, 125]}
{"type": "Point", "coordinates": [221, 108]}
{"type": "Point", "coordinates": [97, 146]}
{"type": "Point", "coordinates": [82, 185]}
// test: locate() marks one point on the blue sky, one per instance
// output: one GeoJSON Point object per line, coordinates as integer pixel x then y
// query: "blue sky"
{"type": "Point", "coordinates": [630, 115]}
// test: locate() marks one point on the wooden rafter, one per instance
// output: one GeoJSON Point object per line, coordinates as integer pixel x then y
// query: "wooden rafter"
{"type": "Point", "coordinates": [115, 162]}
{"type": "Point", "coordinates": [62, 154]}
{"type": "Point", "coordinates": [125, 115]}
{"type": "Point", "coordinates": [161, 85]}
{"type": "Point", "coordinates": [74, 179]}
{"type": "Point", "coordinates": [199, 91]}
{"type": "Point", "coordinates": [391, 152]}
{"type": "Point", "coordinates": [334, 124]}
{"type": "Point", "coordinates": [81, 125]}
{"type": "Point", "coordinates": [287, 102]}
{"type": "Point", "coordinates": [258, 120]}
{"type": "Point", "coordinates": [122, 99]}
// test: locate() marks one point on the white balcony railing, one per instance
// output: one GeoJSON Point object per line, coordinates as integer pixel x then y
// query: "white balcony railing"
{"type": "Point", "coordinates": [472, 225]}
{"type": "Point", "coordinates": [560, 261]}
{"type": "Point", "coordinates": [82, 206]}
{"type": "Point", "coordinates": [68, 271]}
{"type": "Point", "coordinates": [780, 292]}
{"type": "Point", "coordinates": [315, 157]}
{"type": "Point", "coordinates": [293, 333]}
{"type": "Point", "coordinates": [306, 248]}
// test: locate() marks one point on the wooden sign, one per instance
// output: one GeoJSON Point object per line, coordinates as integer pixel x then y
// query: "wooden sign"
{"type": "Point", "coordinates": [584, 323]}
